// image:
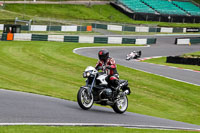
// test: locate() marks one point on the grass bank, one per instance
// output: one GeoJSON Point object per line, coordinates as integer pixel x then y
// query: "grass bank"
{"type": "Point", "coordinates": [198, 1]}
{"type": "Point", "coordinates": [61, 13]}
{"type": "Point", "coordinates": [57, 129]}
{"type": "Point", "coordinates": [51, 68]}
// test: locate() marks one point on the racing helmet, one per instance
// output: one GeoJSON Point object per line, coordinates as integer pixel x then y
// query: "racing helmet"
{"type": "Point", "coordinates": [103, 54]}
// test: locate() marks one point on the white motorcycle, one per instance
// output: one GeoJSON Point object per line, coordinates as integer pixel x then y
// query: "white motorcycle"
{"type": "Point", "coordinates": [97, 90]}
{"type": "Point", "coordinates": [133, 55]}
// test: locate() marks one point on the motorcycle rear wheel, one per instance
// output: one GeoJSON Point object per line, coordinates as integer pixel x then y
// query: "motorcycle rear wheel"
{"type": "Point", "coordinates": [121, 105]}
{"type": "Point", "coordinates": [84, 100]}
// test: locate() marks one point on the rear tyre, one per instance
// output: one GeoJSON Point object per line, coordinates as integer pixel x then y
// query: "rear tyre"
{"type": "Point", "coordinates": [84, 100]}
{"type": "Point", "coordinates": [121, 105]}
{"type": "Point", "coordinates": [140, 53]}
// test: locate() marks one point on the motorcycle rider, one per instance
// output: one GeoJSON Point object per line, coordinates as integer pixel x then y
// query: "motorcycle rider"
{"type": "Point", "coordinates": [133, 53]}
{"type": "Point", "coordinates": [107, 64]}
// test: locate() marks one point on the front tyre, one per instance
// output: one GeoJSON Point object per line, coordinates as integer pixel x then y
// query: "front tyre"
{"type": "Point", "coordinates": [121, 105]}
{"type": "Point", "coordinates": [84, 100]}
{"type": "Point", "coordinates": [128, 58]}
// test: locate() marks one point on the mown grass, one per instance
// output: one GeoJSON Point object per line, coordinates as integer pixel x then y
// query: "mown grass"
{"type": "Point", "coordinates": [105, 13]}
{"type": "Point", "coordinates": [52, 0]}
{"type": "Point", "coordinates": [162, 61]}
{"type": "Point", "coordinates": [73, 129]}
{"type": "Point", "coordinates": [198, 1]}
{"type": "Point", "coordinates": [51, 68]}
{"type": "Point", "coordinates": [194, 54]}
{"type": "Point", "coordinates": [70, 12]}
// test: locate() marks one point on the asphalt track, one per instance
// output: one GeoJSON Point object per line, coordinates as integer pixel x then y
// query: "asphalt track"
{"type": "Point", "coordinates": [19, 108]}
{"type": "Point", "coordinates": [165, 47]}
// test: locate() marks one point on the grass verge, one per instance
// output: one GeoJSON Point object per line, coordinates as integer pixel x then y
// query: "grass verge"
{"type": "Point", "coordinates": [50, 13]}
{"type": "Point", "coordinates": [73, 129]}
{"type": "Point", "coordinates": [193, 55]}
{"type": "Point", "coordinates": [51, 68]}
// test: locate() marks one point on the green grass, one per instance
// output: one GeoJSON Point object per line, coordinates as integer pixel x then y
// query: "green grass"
{"type": "Point", "coordinates": [194, 55]}
{"type": "Point", "coordinates": [51, 68]}
{"type": "Point", "coordinates": [52, 0]}
{"type": "Point", "coordinates": [70, 12]}
{"type": "Point", "coordinates": [162, 61]}
{"type": "Point", "coordinates": [68, 129]}
{"type": "Point", "coordinates": [62, 13]}
{"type": "Point", "coordinates": [198, 1]}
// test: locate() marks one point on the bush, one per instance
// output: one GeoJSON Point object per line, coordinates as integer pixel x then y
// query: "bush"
{"type": "Point", "coordinates": [183, 60]}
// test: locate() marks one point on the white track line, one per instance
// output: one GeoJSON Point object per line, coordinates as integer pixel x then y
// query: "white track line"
{"type": "Point", "coordinates": [100, 125]}
{"type": "Point", "coordinates": [147, 58]}
{"type": "Point", "coordinates": [164, 76]}
{"type": "Point", "coordinates": [74, 50]}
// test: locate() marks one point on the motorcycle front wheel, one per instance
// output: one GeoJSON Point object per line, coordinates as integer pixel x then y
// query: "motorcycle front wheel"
{"type": "Point", "coordinates": [128, 58]}
{"type": "Point", "coordinates": [121, 105]}
{"type": "Point", "coordinates": [85, 101]}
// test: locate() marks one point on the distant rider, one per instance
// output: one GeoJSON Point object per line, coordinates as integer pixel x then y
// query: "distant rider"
{"type": "Point", "coordinates": [133, 53]}
{"type": "Point", "coordinates": [107, 64]}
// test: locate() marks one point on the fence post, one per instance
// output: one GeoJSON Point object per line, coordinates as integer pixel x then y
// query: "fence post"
{"type": "Point", "coordinates": [146, 17]}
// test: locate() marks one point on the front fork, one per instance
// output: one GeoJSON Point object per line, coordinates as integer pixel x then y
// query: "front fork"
{"type": "Point", "coordinates": [89, 87]}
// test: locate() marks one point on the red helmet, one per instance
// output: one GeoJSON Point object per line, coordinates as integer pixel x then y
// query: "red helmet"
{"type": "Point", "coordinates": [103, 54]}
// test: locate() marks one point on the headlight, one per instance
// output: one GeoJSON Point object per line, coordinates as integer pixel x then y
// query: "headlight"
{"type": "Point", "coordinates": [86, 74]}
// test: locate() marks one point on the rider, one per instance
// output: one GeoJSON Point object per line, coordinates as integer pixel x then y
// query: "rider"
{"type": "Point", "coordinates": [107, 64]}
{"type": "Point", "coordinates": [133, 53]}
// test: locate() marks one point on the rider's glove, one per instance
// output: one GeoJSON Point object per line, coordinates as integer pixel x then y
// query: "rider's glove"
{"type": "Point", "coordinates": [108, 67]}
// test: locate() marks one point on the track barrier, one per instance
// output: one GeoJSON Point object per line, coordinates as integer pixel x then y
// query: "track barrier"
{"type": "Point", "coordinates": [112, 27]}
{"type": "Point", "coordinates": [144, 29]}
{"type": "Point", "coordinates": [89, 28]}
{"type": "Point", "coordinates": [77, 39]}
{"type": "Point", "coordinates": [187, 40]}
{"type": "Point", "coordinates": [52, 28]}
{"type": "Point", "coordinates": [9, 36]}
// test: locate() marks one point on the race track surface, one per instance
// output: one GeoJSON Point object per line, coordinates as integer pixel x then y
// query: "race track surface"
{"type": "Point", "coordinates": [31, 109]}
{"type": "Point", "coordinates": [25, 108]}
{"type": "Point", "coordinates": [164, 47]}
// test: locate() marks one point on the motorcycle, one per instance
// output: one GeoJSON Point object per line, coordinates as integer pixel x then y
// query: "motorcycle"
{"type": "Point", "coordinates": [133, 55]}
{"type": "Point", "coordinates": [97, 90]}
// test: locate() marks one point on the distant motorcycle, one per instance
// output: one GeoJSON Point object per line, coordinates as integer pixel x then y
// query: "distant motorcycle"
{"type": "Point", "coordinates": [134, 55]}
{"type": "Point", "coordinates": [97, 90]}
